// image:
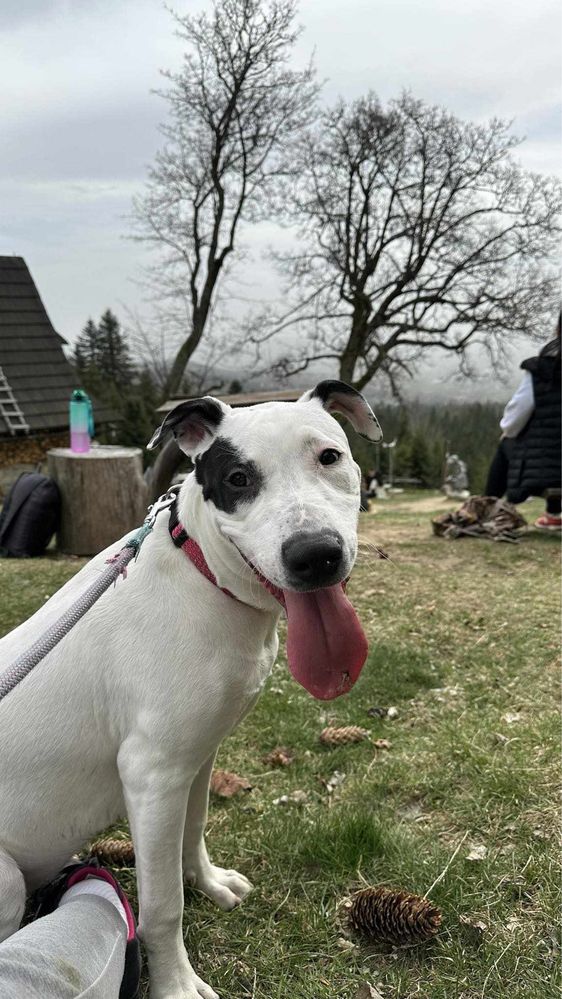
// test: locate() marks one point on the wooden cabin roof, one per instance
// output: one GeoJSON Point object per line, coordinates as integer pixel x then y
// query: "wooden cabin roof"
{"type": "Point", "coordinates": [31, 354]}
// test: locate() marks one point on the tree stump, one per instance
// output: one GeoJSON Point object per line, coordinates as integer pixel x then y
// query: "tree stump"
{"type": "Point", "coordinates": [103, 496]}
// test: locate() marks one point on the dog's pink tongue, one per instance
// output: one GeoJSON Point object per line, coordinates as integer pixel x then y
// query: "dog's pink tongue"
{"type": "Point", "coordinates": [326, 645]}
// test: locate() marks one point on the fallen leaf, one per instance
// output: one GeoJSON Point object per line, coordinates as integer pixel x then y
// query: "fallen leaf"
{"type": "Point", "coordinates": [441, 692]}
{"type": "Point", "coordinates": [473, 929]}
{"type": "Point", "coordinates": [540, 833]}
{"type": "Point", "coordinates": [477, 852]}
{"type": "Point", "coordinates": [412, 811]}
{"type": "Point", "coordinates": [226, 784]}
{"type": "Point", "coordinates": [295, 798]}
{"type": "Point", "coordinates": [392, 713]}
{"type": "Point", "coordinates": [511, 717]}
{"type": "Point", "coordinates": [500, 739]}
{"type": "Point", "coordinates": [334, 781]}
{"type": "Point", "coordinates": [346, 945]}
{"type": "Point", "coordinates": [367, 991]}
{"type": "Point", "coordinates": [376, 712]}
{"type": "Point", "coordinates": [549, 948]}
{"type": "Point", "coordinates": [279, 757]}
{"type": "Point", "coordinates": [506, 848]}
{"type": "Point", "coordinates": [382, 744]}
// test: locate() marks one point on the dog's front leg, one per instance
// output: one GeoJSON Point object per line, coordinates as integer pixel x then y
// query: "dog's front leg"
{"type": "Point", "coordinates": [156, 799]}
{"type": "Point", "coordinates": [226, 888]}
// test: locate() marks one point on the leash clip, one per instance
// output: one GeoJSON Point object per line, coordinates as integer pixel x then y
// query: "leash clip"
{"type": "Point", "coordinates": [163, 502]}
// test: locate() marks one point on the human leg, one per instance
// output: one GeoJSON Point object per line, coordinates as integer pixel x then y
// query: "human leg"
{"type": "Point", "coordinates": [78, 950]}
{"type": "Point", "coordinates": [551, 519]}
{"type": "Point", "coordinates": [496, 483]}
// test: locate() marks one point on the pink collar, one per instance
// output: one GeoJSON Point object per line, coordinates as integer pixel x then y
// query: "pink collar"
{"type": "Point", "coordinates": [195, 554]}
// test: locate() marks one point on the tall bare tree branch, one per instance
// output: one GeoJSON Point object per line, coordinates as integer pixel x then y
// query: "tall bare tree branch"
{"type": "Point", "coordinates": [234, 107]}
{"type": "Point", "coordinates": [417, 231]}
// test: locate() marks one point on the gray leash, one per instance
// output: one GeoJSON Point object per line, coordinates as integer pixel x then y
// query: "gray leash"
{"type": "Point", "coordinates": [57, 631]}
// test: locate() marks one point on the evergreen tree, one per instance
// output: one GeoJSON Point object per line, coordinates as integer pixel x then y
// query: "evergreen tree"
{"type": "Point", "coordinates": [137, 404]}
{"type": "Point", "coordinates": [86, 348]}
{"type": "Point", "coordinates": [471, 430]}
{"type": "Point", "coordinates": [114, 359]}
{"type": "Point", "coordinates": [105, 368]}
{"type": "Point", "coordinates": [421, 466]}
{"type": "Point", "coordinates": [402, 464]}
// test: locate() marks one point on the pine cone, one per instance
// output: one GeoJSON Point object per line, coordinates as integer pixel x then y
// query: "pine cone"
{"type": "Point", "coordinates": [394, 916]}
{"type": "Point", "coordinates": [341, 736]}
{"type": "Point", "coordinates": [115, 852]}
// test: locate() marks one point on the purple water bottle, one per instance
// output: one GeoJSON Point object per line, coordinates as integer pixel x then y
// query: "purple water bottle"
{"type": "Point", "coordinates": [81, 422]}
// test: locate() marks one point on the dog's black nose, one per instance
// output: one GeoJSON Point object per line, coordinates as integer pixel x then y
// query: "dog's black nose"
{"type": "Point", "coordinates": [314, 559]}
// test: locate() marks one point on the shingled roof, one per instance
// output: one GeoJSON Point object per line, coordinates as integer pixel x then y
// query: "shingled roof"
{"type": "Point", "coordinates": [31, 354]}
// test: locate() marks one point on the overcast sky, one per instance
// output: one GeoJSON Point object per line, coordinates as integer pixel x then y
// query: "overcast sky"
{"type": "Point", "coordinates": [79, 123]}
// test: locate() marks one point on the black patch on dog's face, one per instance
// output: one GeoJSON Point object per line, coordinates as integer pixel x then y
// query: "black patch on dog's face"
{"type": "Point", "coordinates": [213, 469]}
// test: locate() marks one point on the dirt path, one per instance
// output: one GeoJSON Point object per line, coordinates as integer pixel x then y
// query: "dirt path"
{"type": "Point", "coordinates": [425, 504]}
{"type": "Point", "coordinates": [379, 527]}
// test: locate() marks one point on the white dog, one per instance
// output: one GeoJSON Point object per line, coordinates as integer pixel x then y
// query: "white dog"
{"type": "Point", "coordinates": [125, 715]}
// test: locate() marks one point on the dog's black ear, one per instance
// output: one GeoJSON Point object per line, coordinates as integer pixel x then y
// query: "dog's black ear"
{"type": "Point", "coordinates": [337, 397]}
{"type": "Point", "coordinates": [193, 423]}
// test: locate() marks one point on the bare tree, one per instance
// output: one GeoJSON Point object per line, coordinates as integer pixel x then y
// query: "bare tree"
{"type": "Point", "coordinates": [151, 345]}
{"type": "Point", "coordinates": [416, 231]}
{"type": "Point", "coordinates": [150, 340]}
{"type": "Point", "coordinates": [233, 108]}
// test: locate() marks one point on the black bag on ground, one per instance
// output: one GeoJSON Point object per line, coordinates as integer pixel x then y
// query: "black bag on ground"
{"type": "Point", "coordinates": [30, 516]}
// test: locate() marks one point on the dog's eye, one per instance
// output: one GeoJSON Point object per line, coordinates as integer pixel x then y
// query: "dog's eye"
{"type": "Point", "coordinates": [329, 456]}
{"type": "Point", "coordinates": [238, 479]}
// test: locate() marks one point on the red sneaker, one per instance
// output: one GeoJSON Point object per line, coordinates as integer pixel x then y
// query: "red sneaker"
{"type": "Point", "coordinates": [549, 522]}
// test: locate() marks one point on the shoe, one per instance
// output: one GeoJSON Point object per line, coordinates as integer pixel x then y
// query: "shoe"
{"type": "Point", "coordinates": [46, 900]}
{"type": "Point", "coordinates": [549, 522]}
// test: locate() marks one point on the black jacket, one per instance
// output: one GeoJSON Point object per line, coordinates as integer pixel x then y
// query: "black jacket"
{"type": "Point", "coordinates": [534, 463]}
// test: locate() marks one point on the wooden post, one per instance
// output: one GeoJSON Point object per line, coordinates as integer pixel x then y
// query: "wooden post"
{"type": "Point", "coordinates": [103, 496]}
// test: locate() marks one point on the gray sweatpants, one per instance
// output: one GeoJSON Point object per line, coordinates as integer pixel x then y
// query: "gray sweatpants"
{"type": "Point", "coordinates": [78, 950]}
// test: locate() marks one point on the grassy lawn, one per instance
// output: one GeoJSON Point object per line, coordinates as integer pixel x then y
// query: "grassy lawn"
{"type": "Point", "coordinates": [465, 644]}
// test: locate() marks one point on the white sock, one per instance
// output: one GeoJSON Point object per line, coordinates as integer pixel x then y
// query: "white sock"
{"type": "Point", "coordinates": [95, 886]}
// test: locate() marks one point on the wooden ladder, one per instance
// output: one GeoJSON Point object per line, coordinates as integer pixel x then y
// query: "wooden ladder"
{"type": "Point", "coordinates": [9, 409]}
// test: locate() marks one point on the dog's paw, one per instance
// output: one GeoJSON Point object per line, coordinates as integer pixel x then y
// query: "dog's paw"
{"type": "Point", "coordinates": [203, 990]}
{"type": "Point", "coordinates": [195, 988]}
{"type": "Point", "coordinates": [226, 888]}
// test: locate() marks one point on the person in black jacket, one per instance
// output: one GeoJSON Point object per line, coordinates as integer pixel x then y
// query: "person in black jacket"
{"type": "Point", "coordinates": [527, 462]}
